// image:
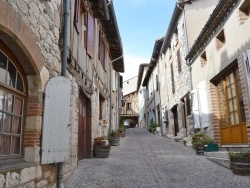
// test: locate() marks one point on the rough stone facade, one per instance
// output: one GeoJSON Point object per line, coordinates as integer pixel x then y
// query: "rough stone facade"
{"type": "Point", "coordinates": [32, 31]}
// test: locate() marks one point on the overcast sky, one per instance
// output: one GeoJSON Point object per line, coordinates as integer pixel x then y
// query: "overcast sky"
{"type": "Point", "coordinates": [140, 23]}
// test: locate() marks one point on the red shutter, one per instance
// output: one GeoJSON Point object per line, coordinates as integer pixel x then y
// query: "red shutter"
{"type": "Point", "coordinates": [78, 16]}
{"type": "Point", "coordinates": [90, 35]}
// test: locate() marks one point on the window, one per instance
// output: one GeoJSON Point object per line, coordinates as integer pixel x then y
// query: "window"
{"type": "Point", "coordinates": [12, 102]}
{"type": "Point", "coordinates": [230, 100]}
{"type": "Point", "coordinates": [157, 83]}
{"type": "Point", "coordinates": [203, 58]}
{"type": "Point", "coordinates": [129, 106]}
{"type": "Point", "coordinates": [220, 39]}
{"type": "Point", "coordinates": [84, 23]}
{"type": "Point", "coordinates": [172, 78]}
{"type": "Point", "coordinates": [101, 102]}
{"type": "Point", "coordinates": [244, 12]}
{"type": "Point", "coordinates": [178, 54]}
{"type": "Point", "coordinates": [102, 51]}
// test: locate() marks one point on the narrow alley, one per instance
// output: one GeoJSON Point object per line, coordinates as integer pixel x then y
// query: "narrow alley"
{"type": "Point", "coordinates": [147, 161]}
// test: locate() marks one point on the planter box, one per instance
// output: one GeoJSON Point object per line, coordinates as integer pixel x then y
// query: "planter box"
{"type": "Point", "coordinates": [114, 141]}
{"type": "Point", "coordinates": [100, 151]}
{"type": "Point", "coordinates": [240, 166]}
{"type": "Point", "coordinates": [211, 147]}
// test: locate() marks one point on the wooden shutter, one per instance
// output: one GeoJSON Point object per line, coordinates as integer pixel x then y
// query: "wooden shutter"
{"type": "Point", "coordinates": [90, 35]}
{"type": "Point", "coordinates": [195, 109]}
{"type": "Point", "coordinates": [78, 16]}
{"type": "Point", "coordinates": [203, 104]}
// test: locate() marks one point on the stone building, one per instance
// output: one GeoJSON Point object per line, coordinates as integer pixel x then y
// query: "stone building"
{"type": "Point", "coordinates": [42, 83]}
{"type": "Point", "coordinates": [141, 96]}
{"type": "Point", "coordinates": [151, 82]}
{"type": "Point", "coordinates": [129, 113]}
{"type": "Point", "coordinates": [175, 81]}
{"type": "Point", "coordinates": [221, 53]}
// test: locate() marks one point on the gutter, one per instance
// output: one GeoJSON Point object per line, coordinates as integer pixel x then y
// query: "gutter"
{"type": "Point", "coordinates": [60, 183]}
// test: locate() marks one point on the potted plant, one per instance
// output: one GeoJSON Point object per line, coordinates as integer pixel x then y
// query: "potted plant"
{"type": "Point", "coordinates": [153, 127]}
{"type": "Point", "coordinates": [101, 147]}
{"type": "Point", "coordinates": [240, 162]}
{"type": "Point", "coordinates": [122, 131]}
{"type": "Point", "coordinates": [114, 138]}
{"type": "Point", "coordinates": [209, 144]}
{"type": "Point", "coordinates": [198, 144]}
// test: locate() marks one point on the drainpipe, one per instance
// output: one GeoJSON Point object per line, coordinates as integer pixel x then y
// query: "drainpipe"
{"type": "Point", "coordinates": [60, 183]}
{"type": "Point", "coordinates": [110, 92]}
{"type": "Point", "coordinates": [187, 46]}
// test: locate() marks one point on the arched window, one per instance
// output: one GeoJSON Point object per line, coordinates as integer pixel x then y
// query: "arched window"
{"type": "Point", "coordinates": [12, 100]}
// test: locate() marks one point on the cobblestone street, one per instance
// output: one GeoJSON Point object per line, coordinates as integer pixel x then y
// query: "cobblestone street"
{"type": "Point", "coordinates": [147, 161]}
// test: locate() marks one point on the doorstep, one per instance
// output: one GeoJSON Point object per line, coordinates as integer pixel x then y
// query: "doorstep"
{"type": "Point", "coordinates": [219, 157]}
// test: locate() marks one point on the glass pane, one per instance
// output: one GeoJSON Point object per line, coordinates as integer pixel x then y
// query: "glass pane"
{"type": "Point", "coordinates": [236, 117]}
{"type": "Point", "coordinates": [227, 81]}
{"type": "Point", "coordinates": [232, 118]}
{"type": "Point", "coordinates": [19, 84]}
{"type": "Point", "coordinates": [1, 99]}
{"type": "Point", "coordinates": [3, 66]}
{"type": "Point", "coordinates": [233, 90]}
{"type": "Point", "coordinates": [18, 106]}
{"type": "Point", "coordinates": [9, 103]}
{"type": "Point", "coordinates": [229, 92]}
{"type": "Point", "coordinates": [231, 78]}
{"type": "Point", "coordinates": [235, 107]}
{"type": "Point", "coordinates": [230, 102]}
{"type": "Point", "coordinates": [5, 145]}
{"type": "Point", "coordinates": [15, 148]}
{"type": "Point", "coordinates": [11, 75]}
{"type": "Point", "coordinates": [6, 123]}
{"type": "Point", "coordinates": [17, 125]}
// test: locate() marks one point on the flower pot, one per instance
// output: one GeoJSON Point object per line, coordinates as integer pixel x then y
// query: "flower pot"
{"type": "Point", "coordinates": [200, 150]}
{"type": "Point", "coordinates": [211, 147]}
{"type": "Point", "coordinates": [240, 166]}
{"type": "Point", "coordinates": [101, 151]}
{"type": "Point", "coordinates": [114, 141]}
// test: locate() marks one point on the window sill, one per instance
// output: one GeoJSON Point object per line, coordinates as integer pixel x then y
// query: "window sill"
{"type": "Point", "coordinates": [15, 165]}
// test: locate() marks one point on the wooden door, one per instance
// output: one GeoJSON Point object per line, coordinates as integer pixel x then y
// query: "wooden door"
{"type": "Point", "coordinates": [176, 125]}
{"type": "Point", "coordinates": [231, 109]}
{"type": "Point", "coordinates": [82, 129]}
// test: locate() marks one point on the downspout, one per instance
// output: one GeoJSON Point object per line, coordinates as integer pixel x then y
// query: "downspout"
{"type": "Point", "coordinates": [63, 73]}
{"type": "Point", "coordinates": [187, 46]}
{"type": "Point", "coordinates": [110, 88]}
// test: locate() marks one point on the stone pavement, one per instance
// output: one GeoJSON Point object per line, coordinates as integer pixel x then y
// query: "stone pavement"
{"type": "Point", "coordinates": [144, 160]}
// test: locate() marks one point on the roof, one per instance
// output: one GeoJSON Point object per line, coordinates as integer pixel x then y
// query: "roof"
{"type": "Point", "coordinates": [154, 59]}
{"type": "Point", "coordinates": [111, 29]}
{"type": "Point", "coordinates": [220, 13]}
{"type": "Point", "coordinates": [140, 74]}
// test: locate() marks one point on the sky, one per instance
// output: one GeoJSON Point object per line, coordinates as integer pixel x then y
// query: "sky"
{"type": "Point", "coordinates": [140, 23]}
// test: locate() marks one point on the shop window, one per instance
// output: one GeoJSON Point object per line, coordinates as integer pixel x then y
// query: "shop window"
{"type": "Point", "coordinates": [244, 12]}
{"type": "Point", "coordinates": [12, 102]}
{"type": "Point", "coordinates": [220, 39]}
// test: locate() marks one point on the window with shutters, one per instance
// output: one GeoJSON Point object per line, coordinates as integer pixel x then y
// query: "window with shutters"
{"type": "Point", "coordinates": [172, 78]}
{"type": "Point", "coordinates": [80, 20]}
{"type": "Point", "coordinates": [178, 54]}
{"type": "Point", "coordinates": [101, 106]}
{"type": "Point", "coordinates": [102, 51]}
{"type": "Point", "coordinates": [230, 99]}
{"type": "Point", "coordinates": [85, 26]}
{"type": "Point", "coordinates": [12, 103]}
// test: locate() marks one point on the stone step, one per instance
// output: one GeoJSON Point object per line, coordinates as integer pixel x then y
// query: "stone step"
{"type": "Point", "coordinates": [217, 154]}
{"type": "Point", "coordinates": [220, 157]}
{"type": "Point", "coordinates": [220, 161]}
